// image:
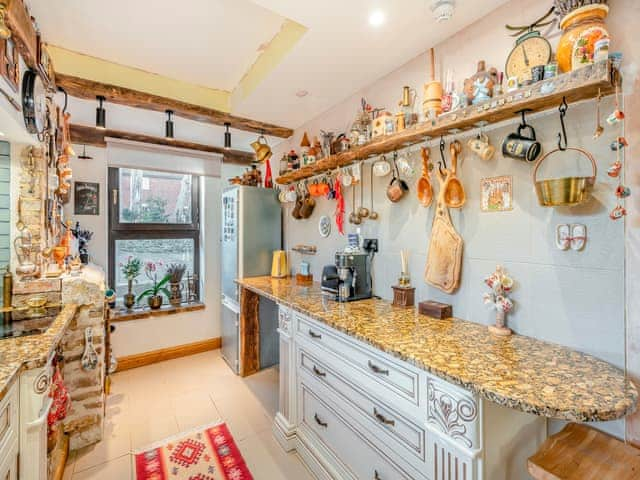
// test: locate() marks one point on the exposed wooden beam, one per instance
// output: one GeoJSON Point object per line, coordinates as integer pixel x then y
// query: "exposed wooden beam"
{"type": "Point", "coordinates": [86, 135]}
{"type": "Point", "coordinates": [89, 89]}
{"type": "Point", "coordinates": [22, 32]}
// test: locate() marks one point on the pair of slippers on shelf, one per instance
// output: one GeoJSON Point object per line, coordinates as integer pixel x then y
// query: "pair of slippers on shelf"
{"type": "Point", "coordinates": [571, 236]}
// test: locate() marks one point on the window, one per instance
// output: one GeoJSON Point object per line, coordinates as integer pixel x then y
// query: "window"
{"type": "Point", "coordinates": [153, 216]}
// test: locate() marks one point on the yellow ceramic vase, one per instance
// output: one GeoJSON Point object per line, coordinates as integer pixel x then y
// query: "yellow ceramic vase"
{"type": "Point", "coordinates": [581, 28]}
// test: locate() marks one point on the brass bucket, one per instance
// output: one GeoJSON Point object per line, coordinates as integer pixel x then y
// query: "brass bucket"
{"type": "Point", "coordinates": [565, 191]}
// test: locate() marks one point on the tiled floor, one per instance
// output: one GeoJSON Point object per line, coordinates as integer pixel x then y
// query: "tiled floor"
{"type": "Point", "coordinates": [154, 402]}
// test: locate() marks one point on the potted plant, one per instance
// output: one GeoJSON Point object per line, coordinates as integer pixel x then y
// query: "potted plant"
{"type": "Point", "coordinates": [154, 298]}
{"type": "Point", "coordinates": [175, 272]}
{"type": "Point", "coordinates": [130, 270]}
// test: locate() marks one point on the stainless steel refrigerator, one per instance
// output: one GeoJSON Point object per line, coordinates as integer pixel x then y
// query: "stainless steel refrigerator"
{"type": "Point", "coordinates": [251, 231]}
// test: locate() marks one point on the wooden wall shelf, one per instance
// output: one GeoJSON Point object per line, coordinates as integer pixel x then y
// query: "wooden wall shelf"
{"type": "Point", "coordinates": [578, 85]}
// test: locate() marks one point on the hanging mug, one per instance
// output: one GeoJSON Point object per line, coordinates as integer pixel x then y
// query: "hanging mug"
{"type": "Point", "coordinates": [481, 147]}
{"type": "Point", "coordinates": [522, 147]}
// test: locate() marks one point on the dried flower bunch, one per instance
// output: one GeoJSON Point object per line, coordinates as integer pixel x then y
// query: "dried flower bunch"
{"type": "Point", "coordinates": [501, 285]}
{"type": "Point", "coordinates": [563, 7]}
{"type": "Point", "coordinates": [176, 271]}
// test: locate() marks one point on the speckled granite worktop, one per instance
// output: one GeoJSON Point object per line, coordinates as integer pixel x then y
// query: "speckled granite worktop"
{"type": "Point", "coordinates": [518, 372]}
{"type": "Point", "coordinates": [31, 351]}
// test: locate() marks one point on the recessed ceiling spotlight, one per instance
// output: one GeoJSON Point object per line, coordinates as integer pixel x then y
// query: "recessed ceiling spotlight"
{"type": "Point", "coordinates": [302, 93]}
{"type": "Point", "coordinates": [442, 9]}
{"type": "Point", "coordinates": [377, 18]}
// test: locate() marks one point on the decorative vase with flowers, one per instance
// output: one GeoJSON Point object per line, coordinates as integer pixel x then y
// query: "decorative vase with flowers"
{"type": "Point", "coordinates": [154, 299]}
{"type": "Point", "coordinates": [501, 286]}
{"type": "Point", "coordinates": [130, 270]}
{"type": "Point", "coordinates": [583, 32]}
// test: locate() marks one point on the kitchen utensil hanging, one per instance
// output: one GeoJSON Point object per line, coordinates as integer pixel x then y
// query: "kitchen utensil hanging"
{"type": "Point", "coordinates": [363, 212]}
{"type": "Point", "coordinates": [566, 191]}
{"type": "Point", "coordinates": [520, 146]}
{"type": "Point", "coordinates": [397, 187]}
{"type": "Point", "coordinates": [444, 257]}
{"type": "Point", "coordinates": [381, 167]}
{"type": "Point", "coordinates": [424, 188]}
{"type": "Point", "coordinates": [454, 194]}
{"type": "Point", "coordinates": [373, 215]}
{"type": "Point", "coordinates": [599, 128]}
{"type": "Point", "coordinates": [354, 218]}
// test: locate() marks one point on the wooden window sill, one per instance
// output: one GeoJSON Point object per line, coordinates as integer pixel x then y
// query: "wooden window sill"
{"type": "Point", "coordinates": [120, 314]}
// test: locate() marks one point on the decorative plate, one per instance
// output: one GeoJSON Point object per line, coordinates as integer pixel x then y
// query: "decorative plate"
{"type": "Point", "coordinates": [324, 226]}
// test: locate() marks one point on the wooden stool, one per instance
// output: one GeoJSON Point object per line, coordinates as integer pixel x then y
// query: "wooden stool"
{"type": "Point", "coordinates": [579, 452]}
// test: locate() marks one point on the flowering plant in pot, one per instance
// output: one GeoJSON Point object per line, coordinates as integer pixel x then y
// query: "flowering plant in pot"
{"type": "Point", "coordinates": [159, 286]}
{"type": "Point", "coordinates": [501, 285]}
{"type": "Point", "coordinates": [130, 271]}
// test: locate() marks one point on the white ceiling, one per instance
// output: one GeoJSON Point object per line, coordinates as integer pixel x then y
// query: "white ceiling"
{"type": "Point", "coordinates": [205, 42]}
{"type": "Point", "coordinates": [213, 42]}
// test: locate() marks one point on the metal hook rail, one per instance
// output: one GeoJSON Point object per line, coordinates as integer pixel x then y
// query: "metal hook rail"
{"type": "Point", "coordinates": [562, 136]}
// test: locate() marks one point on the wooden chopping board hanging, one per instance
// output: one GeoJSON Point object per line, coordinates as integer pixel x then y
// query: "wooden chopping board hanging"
{"type": "Point", "coordinates": [444, 259]}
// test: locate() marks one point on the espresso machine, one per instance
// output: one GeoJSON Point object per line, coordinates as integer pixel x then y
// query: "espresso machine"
{"type": "Point", "coordinates": [350, 278]}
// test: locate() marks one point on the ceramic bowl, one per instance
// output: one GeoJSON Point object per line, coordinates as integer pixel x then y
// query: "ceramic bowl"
{"type": "Point", "coordinates": [381, 168]}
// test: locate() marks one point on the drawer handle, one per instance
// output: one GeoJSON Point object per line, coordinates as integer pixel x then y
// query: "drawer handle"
{"type": "Point", "coordinates": [382, 419]}
{"type": "Point", "coordinates": [319, 373]}
{"type": "Point", "coordinates": [376, 475]}
{"type": "Point", "coordinates": [314, 334]}
{"type": "Point", "coordinates": [320, 422]}
{"type": "Point", "coordinates": [376, 369]}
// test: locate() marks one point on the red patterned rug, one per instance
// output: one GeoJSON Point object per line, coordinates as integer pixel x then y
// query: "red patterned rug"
{"type": "Point", "coordinates": [208, 453]}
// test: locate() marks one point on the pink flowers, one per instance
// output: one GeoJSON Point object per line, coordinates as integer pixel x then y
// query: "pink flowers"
{"type": "Point", "coordinates": [501, 285]}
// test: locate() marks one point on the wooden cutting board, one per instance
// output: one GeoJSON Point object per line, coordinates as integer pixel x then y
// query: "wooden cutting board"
{"type": "Point", "coordinates": [444, 259]}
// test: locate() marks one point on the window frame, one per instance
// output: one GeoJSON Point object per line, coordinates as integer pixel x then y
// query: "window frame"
{"type": "Point", "coordinates": [151, 231]}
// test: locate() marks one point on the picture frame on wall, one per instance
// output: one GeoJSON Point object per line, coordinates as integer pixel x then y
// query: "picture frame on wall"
{"type": "Point", "coordinates": [86, 198]}
{"type": "Point", "coordinates": [496, 194]}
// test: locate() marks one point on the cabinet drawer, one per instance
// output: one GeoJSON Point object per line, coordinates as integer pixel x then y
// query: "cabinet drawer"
{"type": "Point", "coordinates": [392, 376]}
{"type": "Point", "coordinates": [409, 436]}
{"type": "Point", "coordinates": [334, 431]}
{"type": "Point", "coordinates": [9, 419]}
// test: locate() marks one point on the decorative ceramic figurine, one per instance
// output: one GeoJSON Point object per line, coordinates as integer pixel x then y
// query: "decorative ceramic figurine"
{"type": "Point", "coordinates": [479, 87]}
{"type": "Point", "coordinates": [501, 286]}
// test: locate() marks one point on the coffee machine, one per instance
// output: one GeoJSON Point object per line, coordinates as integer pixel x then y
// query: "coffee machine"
{"type": "Point", "coordinates": [350, 278]}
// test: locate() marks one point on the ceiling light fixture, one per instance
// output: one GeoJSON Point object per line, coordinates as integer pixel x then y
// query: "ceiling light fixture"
{"type": "Point", "coordinates": [101, 113]}
{"type": "Point", "coordinates": [442, 9]}
{"type": "Point", "coordinates": [168, 125]}
{"type": "Point", "coordinates": [227, 136]}
{"type": "Point", "coordinates": [84, 155]}
{"type": "Point", "coordinates": [302, 93]}
{"type": "Point", "coordinates": [376, 18]}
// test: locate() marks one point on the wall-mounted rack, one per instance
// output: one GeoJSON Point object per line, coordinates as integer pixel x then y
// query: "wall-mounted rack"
{"type": "Point", "coordinates": [583, 84]}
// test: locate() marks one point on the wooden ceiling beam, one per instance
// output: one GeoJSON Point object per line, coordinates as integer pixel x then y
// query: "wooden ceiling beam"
{"type": "Point", "coordinates": [90, 89]}
{"type": "Point", "coordinates": [86, 135]}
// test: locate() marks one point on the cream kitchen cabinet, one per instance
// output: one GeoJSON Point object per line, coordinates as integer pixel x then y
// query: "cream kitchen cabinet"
{"type": "Point", "coordinates": [355, 412]}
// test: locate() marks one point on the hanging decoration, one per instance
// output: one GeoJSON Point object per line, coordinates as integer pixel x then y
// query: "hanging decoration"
{"type": "Point", "coordinates": [619, 143]}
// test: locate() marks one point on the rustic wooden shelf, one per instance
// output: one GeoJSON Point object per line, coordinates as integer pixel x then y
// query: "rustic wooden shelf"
{"type": "Point", "coordinates": [581, 84]}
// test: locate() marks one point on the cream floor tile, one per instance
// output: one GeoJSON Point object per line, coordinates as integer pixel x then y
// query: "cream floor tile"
{"type": "Point", "coordinates": [118, 469]}
{"type": "Point", "coordinates": [194, 409]}
{"type": "Point", "coordinates": [115, 443]}
{"type": "Point", "coordinates": [148, 431]}
{"type": "Point", "coordinates": [152, 403]}
{"type": "Point", "coordinates": [268, 461]}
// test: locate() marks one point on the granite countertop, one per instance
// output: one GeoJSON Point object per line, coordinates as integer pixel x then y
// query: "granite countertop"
{"type": "Point", "coordinates": [31, 351]}
{"type": "Point", "coordinates": [518, 372]}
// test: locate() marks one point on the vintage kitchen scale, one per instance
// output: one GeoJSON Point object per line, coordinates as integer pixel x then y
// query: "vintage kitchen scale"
{"type": "Point", "coordinates": [531, 49]}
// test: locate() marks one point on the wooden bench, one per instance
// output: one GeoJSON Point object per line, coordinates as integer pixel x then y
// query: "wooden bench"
{"type": "Point", "coordinates": [579, 452]}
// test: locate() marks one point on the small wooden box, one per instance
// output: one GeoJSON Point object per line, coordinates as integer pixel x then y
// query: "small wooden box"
{"type": "Point", "coordinates": [435, 309]}
{"type": "Point", "coordinates": [304, 279]}
{"type": "Point", "coordinates": [403, 296]}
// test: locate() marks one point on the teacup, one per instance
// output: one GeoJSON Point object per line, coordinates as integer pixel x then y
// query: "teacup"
{"type": "Point", "coordinates": [481, 147]}
{"type": "Point", "coordinates": [291, 196]}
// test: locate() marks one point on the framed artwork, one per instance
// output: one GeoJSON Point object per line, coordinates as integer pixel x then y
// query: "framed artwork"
{"type": "Point", "coordinates": [86, 198]}
{"type": "Point", "coordinates": [496, 194]}
{"type": "Point", "coordinates": [10, 63]}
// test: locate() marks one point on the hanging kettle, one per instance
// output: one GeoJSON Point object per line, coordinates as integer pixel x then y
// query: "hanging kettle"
{"type": "Point", "coordinates": [262, 149]}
